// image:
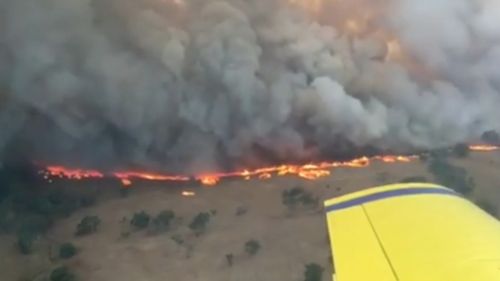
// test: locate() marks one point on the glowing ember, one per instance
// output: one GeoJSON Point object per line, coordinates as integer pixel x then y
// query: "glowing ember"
{"type": "Point", "coordinates": [188, 193]}
{"type": "Point", "coordinates": [484, 148]}
{"type": "Point", "coordinates": [126, 182]}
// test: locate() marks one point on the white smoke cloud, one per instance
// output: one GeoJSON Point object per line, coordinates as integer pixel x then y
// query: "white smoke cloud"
{"type": "Point", "coordinates": [213, 84]}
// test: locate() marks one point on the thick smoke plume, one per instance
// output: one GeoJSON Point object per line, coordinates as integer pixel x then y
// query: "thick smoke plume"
{"type": "Point", "coordinates": [200, 85]}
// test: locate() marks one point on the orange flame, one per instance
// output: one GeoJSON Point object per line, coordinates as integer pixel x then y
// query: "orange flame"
{"type": "Point", "coordinates": [307, 171]}
{"type": "Point", "coordinates": [484, 147]}
{"type": "Point", "coordinates": [209, 180]}
{"type": "Point", "coordinates": [148, 176]}
{"type": "Point", "coordinates": [312, 171]}
{"type": "Point", "coordinates": [76, 174]}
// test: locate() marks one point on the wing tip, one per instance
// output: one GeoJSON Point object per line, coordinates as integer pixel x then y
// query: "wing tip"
{"type": "Point", "coordinates": [379, 189]}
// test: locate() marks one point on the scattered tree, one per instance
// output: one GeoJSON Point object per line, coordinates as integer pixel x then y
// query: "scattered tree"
{"type": "Point", "coordinates": [313, 272]}
{"type": "Point", "coordinates": [88, 225]}
{"type": "Point", "coordinates": [451, 176]}
{"type": "Point", "coordinates": [25, 243]}
{"type": "Point", "coordinates": [163, 220]}
{"type": "Point", "coordinates": [62, 273]}
{"type": "Point", "coordinates": [491, 137]}
{"type": "Point", "coordinates": [55, 203]}
{"type": "Point", "coordinates": [291, 197]}
{"type": "Point", "coordinates": [140, 220]}
{"type": "Point", "coordinates": [309, 201]}
{"type": "Point", "coordinates": [25, 207]}
{"type": "Point", "coordinates": [199, 224]}
{"type": "Point", "coordinates": [461, 150]}
{"type": "Point", "coordinates": [67, 250]}
{"type": "Point", "coordinates": [295, 197]}
{"type": "Point", "coordinates": [252, 247]}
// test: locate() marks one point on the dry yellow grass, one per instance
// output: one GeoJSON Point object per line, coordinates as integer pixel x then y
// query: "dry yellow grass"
{"type": "Point", "coordinates": [288, 241]}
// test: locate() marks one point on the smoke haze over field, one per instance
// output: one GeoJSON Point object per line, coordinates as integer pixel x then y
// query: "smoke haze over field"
{"type": "Point", "coordinates": [204, 85]}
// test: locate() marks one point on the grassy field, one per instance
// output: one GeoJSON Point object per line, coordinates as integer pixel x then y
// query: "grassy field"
{"type": "Point", "coordinates": [239, 211]}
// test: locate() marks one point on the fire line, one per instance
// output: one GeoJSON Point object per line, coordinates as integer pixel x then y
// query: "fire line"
{"type": "Point", "coordinates": [311, 171]}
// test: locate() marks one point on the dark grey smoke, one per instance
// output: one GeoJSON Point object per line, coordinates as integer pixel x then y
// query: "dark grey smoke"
{"type": "Point", "coordinates": [214, 84]}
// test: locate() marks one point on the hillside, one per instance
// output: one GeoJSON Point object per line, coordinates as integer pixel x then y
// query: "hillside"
{"type": "Point", "coordinates": [241, 211]}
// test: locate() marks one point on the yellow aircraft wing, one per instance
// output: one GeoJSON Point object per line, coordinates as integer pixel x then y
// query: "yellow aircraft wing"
{"type": "Point", "coordinates": [412, 232]}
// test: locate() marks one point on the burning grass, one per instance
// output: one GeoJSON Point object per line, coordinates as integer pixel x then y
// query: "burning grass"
{"type": "Point", "coordinates": [310, 171]}
{"type": "Point", "coordinates": [307, 171]}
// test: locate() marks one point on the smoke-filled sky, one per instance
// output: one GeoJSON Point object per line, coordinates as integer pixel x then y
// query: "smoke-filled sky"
{"type": "Point", "coordinates": [200, 85]}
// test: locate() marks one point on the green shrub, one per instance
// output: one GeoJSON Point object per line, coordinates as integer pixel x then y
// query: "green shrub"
{"type": "Point", "coordinates": [295, 197]}
{"type": "Point", "coordinates": [28, 204]}
{"type": "Point", "coordinates": [140, 220]}
{"type": "Point", "coordinates": [54, 204]}
{"type": "Point", "coordinates": [87, 225]}
{"type": "Point", "coordinates": [491, 137]}
{"type": "Point", "coordinates": [461, 150]}
{"type": "Point", "coordinates": [37, 210]}
{"type": "Point", "coordinates": [199, 223]}
{"type": "Point", "coordinates": [67, 250]}
{"type": "Point", "coordinates": [252, 247]}
{"type": "Point", "coordinates": [62, 273]}
{"type": "Point", "coordinates": [291, 197]}
{"type": "Point", "coordinates": [163, 220]}
{"type": "Point", "coordinates": [313, 272]}
{"type": "Point", "coordinates": [25, 243]}
{"type": "Point", "coordinates": [451, 176]}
